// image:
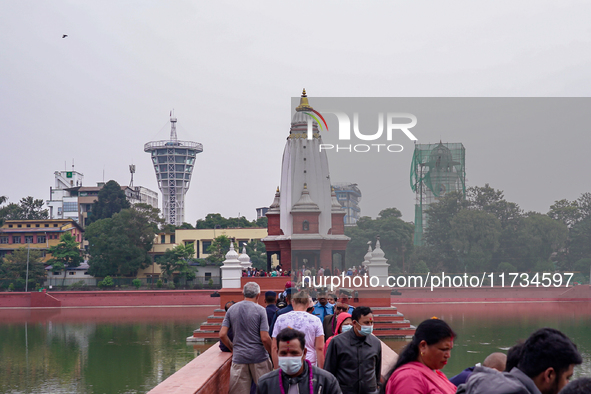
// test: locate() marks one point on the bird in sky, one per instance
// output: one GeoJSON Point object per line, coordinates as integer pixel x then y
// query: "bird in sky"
{"type": "Point", "coordinates": [64, 36]}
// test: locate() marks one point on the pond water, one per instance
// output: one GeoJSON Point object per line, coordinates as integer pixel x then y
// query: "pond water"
{"type": "Point", "coordinates": [95, 350]}
{"type": "Point", "coordinates": [485, 328]}
{"type": "Point", "coordinates": [131, 350]}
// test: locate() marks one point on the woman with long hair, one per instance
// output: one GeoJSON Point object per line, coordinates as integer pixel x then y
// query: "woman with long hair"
{"type": "Point", "coordinates": [418, 367]}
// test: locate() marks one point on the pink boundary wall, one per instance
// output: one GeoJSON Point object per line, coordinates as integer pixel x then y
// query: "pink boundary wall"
{"type": "Point", "coordinates": [493, 294]}
{"type": "Point", "coordinates": [210, 373]}
{"type": "Point", "coordinates": [107, 298]}
{"type": "Point", "coordinates": [202, 297]}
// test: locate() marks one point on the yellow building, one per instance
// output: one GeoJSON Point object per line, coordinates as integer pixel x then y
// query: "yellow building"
{"type": "Point", "coordinates": [201, 240]}
{"type": "Point", "coordinates": [36, 234]}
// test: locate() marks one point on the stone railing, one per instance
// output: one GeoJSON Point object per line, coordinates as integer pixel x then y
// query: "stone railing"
{"type": "Point", "coordinates": [210, 373]}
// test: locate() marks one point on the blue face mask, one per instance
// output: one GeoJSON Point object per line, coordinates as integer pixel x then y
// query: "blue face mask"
{"type": "Point", "coordinates": [346, 327]}
{"type": "Point", "coordinates": [290, 365]}
{"type": "Point", "coordinates": [366, 330]}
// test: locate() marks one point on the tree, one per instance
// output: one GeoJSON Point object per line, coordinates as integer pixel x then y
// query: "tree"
{"type": "Point", "coordinates": [171, 228]}
{"type": "Point", "coordinates": [396, 237]}
{"type": "Point", "coordinates": [3, 199]}
{"type": "Point", "coordinates": [492, 201]}
{"type": "Point", "coordinates": [438, 232]}
{"type": "Point", "coordinates": [584, 203]}
{"type": "Point", "coordinates": [11, 211]}
{"type": "Point", "coordinates": [215, 220]}
{"type": "Point", "coordinates": [66, 254]}
{"type": "Point", "coordinates": [474, 237]}
{"type": "Point", "coordinates": [565, 211]}
{"type": "Point", "coordinates": [28, 208]}
{"type": "Point", "coordinates": [15, 266]}
{"type": "Point", "coordinates": [120, 245]}
{"type": "Point", "coordinates": [262, 222]}
{"type": "Point", "coordinates": [580, 240]}
{"type": "Point", "coordinates": [257, 252]}
{"type": "Point", "coordinates": [111, 200]}
{"type": "Point", "coordinates": [509, 214]}
{"type": "Point", "coordinates": [218, 249]}
{"type": "Point", "coordinates": [538, 237]}
{"type": "Point", "coordinates": [32, 209]}
{"type": "Point", "coordinates": [177, 260]}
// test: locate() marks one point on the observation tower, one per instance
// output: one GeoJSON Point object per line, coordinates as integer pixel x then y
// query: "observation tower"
{"type": "Point", "coordinates": [436, 169]}
{"type": "Point", "coordinates": [173, 161]}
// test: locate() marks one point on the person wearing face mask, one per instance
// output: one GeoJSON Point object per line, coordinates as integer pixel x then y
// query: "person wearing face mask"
{"type": "Point", "coordinates": [418, 367]}
{"type": "Point", "coordinates": [295, 373]}
{"type": "Point", "coordinates": [344, 324]}
{"type": "Point", "coordinates": [330, 321]}
{"type": "Point", "coordinates": [355, 357]}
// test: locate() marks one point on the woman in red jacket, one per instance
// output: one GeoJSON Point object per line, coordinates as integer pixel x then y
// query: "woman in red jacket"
{"type": "Point", "coordinates": [417, 370]}
{"type": "Point", "coordinates": [344, 324]}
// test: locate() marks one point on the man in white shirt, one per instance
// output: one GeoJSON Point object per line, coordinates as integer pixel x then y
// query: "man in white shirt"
{"type": "Point", "coordinates": [305, 322]}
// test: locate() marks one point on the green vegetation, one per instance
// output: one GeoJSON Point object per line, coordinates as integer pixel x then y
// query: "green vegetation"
{"type": "Point", "coordinates": [14, 267]}
{"type": "Point", "coordinates": [137, 283]}
{"type": "Point", "coordinates": [178, 260]}
{"type": "Point", "coordinates": [111, 200]}
{"type": "Point", "coordinates": [106, 282]}
{"type": "Point", "coordinates": [28, 208]}
{"type": "Point", "coordinates": [215, 220]}
{"type": "Point", "coordinates": [66, 254]}
{"type": "Point", "coordinates": [484, 232]}
{"type": "Point", "coordinates": [120, 245]}
{"type": "Point", "coordinates": [396, 238]}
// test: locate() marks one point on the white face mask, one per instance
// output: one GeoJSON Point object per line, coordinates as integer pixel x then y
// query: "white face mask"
{"type": "Point", "coordinates": [290, 365]}
{"type": "Point", "coordinates": [346, 327]}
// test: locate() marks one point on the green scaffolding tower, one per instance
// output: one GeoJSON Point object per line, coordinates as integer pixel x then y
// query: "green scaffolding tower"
{"type": "Point", "coordinates": [436, 169]}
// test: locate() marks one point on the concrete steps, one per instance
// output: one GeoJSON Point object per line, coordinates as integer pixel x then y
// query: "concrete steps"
{"type": "Point", "coordinates": [388, 323]}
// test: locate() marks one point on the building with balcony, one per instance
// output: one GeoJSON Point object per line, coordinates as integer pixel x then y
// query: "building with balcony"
{"type": "Point", "coordinates": [70, 200]}
{"type": "Point", "coordinates": [349, 195]}
{"type": "Point", "coordinates": [36, 234]}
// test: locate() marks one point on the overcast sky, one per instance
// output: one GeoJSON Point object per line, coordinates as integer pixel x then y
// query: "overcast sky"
{"type": "Point", "coordinates": [229, 70]}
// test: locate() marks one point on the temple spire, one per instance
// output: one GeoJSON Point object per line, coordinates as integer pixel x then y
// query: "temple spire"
{"type": "Point", "coordinates": [304, 105]}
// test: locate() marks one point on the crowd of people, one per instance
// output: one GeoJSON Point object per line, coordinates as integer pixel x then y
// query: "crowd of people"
{"type": "Point", "coordinates": [296, 345]}
{"type": "Point", "coordinates": [255, 272]}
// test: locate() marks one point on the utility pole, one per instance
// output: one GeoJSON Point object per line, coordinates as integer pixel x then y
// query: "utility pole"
{"type": "Point", "coordinates": [27, 280]}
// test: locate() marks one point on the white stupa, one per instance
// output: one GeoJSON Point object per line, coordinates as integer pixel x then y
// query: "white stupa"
{"type": "Point", "coordinates": [303, 163]}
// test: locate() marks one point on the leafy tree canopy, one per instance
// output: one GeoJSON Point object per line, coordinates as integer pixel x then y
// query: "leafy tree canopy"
{"type": "Point", "coordinates": [28, 208]}
{"type": "Point", "coordinates": [170, 228]}
{"type": "Point", "coordinates": [215, 220]}
{"type": "Point", "coordinates": [66, 254]}
{"type": "Point", "coordinates": [120, 245]}
{"type": "Point", "coordinates": [177, 260]}
{"type": "Point", "coordinates": [14, 266]}
{"type": "Point", "coordinates": [111, 200]}
{"type": "Point", "coordinates": [218, 249]}
{"type": "Point", "coordinates": [396, 237]}
{"type": "Point", "coordinates": [257, 252]}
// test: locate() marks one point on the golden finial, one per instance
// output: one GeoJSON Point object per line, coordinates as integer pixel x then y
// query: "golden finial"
{"type": "Point", "coordinates": [305, 186]}
{"type": "Point", "coordinates": [277, 189]}
{"type": "Point", "coordinates": [304, 105]}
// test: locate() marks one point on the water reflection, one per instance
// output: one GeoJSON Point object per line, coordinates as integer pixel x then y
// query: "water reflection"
{"type": "Point", "coordinates": [68, 353]}
{"type": "Point", "coordinates": [490, 327]}
{"type": "Point", "coordinates": [131, 350]}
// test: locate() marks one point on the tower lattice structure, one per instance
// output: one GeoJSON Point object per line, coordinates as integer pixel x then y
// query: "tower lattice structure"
{"type": "Point", "coordinates": [436, 170]}
{"type": "Point", "coordinates": [174, 163]}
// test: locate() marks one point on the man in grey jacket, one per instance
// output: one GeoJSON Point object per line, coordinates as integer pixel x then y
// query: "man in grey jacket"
{"type": "Point", "coordinates": [545, 366]}
{"type": "Point", "coordinates": [294, 373]}
{"type": "Point", "coordinates": [355, 357]}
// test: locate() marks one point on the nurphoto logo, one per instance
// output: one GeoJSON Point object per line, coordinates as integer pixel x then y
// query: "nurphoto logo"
{"type": "Point", "coordinates": [394, 123]}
